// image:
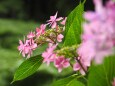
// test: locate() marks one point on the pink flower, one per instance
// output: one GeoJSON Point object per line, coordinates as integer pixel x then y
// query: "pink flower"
{"type": "Point", "coordinates": [21, 46]}
{"type": "Point", "coordinates": [99, 6]}
{"type": "Point", "coordinates": [24, 48]}
{"type": "Point", "coordinates": [86, 52]}
{"type": "Point", "coordinates": [40, 30]}
{"type": "Point", "coordinates": [27, 47]}
{"type": "Point", "coordinates": [113, 83]}
{"type": "Point", "coordinates": [99, 32]}
{"type": "Point", "coordinates": [60, 37]}
{"type": "Point", "coordinates": [32, 44]}
{"type": "Point", "coordinates": [31, 35]}
{"type": "Point", "coordinates": [61, 62]}
{"type": "Point", "coordinates": [53, 20]}
{"type": "Point", "coordinates": [49, 55]}
{"type": "Point", "coordinates": [64, 21]}
{"type": "Point", "coordinates": [77, 67]}
{"type": "Point", "coordinates": [84, 62]}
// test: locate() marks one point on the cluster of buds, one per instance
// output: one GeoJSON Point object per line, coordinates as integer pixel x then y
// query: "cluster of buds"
{"type": "Point", "coordinates": [68, 52]}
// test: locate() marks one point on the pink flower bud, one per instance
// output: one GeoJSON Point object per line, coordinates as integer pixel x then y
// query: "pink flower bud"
{"type": "Point", "coordinates": [60, 37]}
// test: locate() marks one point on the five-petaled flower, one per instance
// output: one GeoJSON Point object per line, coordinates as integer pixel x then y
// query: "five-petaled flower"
{"type": "Point", "coordinates": [53, 20]}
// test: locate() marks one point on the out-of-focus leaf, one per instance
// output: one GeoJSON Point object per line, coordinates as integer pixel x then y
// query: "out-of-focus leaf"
{"type": "Point", "coordinates": [102, 75]}
{"type": "Point", "coordinates": [70, 81]}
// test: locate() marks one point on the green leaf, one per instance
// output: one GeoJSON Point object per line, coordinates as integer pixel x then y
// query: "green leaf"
{"type": "Point", "coordinates": [27, 68]}
{"type": "Point", "coordinates": [40, 50]}
{"type": "Point", "coordinates": [73, 27]}
{"type": "Point", "coordinates": [70, 81]}
{"type": "Point", "coordinates": [102, 75]}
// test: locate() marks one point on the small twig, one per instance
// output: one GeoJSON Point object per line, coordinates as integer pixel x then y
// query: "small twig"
{"type": "Point", "coordinates": [71, 64]}
{"type": "Point", "coordinates": [51, 39]}
{"type": "Point", "coordinates": [80, 64]}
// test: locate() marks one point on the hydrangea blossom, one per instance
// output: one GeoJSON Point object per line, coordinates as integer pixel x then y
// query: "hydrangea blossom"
{"type": "Point", "coordinates": [61, 62]}
{"type": "Point", "coordinates": [48, 55]}
{"type": "Point", "coordinates": [77, 67]}
{"type": "Point", "coordinates": [64, 21]}
{"type": "Point", "coordinates": [60, 37]}
{"type": "Point", "coordinates": [99, 31]}
{"type": "Point", "coordinates": [31, 35]}
{"type": "Point", "coordinates": [27, 47]}
{"type": "Point", "coordinates": [40, 30]}
{"type": "Point", "coordinates": [84, 57]}
{"type": "Point", "coordinates": [53, 20]}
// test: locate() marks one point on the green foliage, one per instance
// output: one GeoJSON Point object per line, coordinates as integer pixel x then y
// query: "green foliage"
{"type": "Point", "coordinates": [13, 30]}
{"type": "Point", "coordinates": [73, 28]}
{"type": "Point", "coordinates": [39, 50]}
{"type": "Point", "coordinates": [10, 32]}
{"type": "Point", "coordinates": [12, 7]}
{"type": "Point", "coordinates": [16, 27]}
{"type": "Point", "coordinates": [70, 81]}
{"type": "Point", "coordinates": [27, 68]}
{"type": "Point", "coordinates": [102, 75]}
{"type": "Point", "coordinates": [67, 52]}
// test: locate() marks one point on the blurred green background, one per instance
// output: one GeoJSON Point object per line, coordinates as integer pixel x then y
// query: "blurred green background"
{"type": "Point", "coordinates": [17, 18]}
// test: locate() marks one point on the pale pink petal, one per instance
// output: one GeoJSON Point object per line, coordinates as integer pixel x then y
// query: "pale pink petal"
{"type": "Point", "coordinates": [31, 35]}
{"type": "Point", "coordinates": [66, 63]}
{"type": "Point", "coordinates": [90, 16]}
{"type": "Point", "coordinates": [76, 67]}
{"type": "Point", "coordinates": [60, 37]}
{"type": "Point", "coordinates": [98, 6]}
{"type": "Point", "coordinates": [61, 62]}
{"type": "Point", "coordinates": [59, 70]}
{"type": "Point", "coordinates": [82, 72]}
{"type": "Point", "coordinates": [59, 19]}
{"type": "Point", "coordinates": [64, 21]}
{"type": "Point", "coordinates": [54, 25]}
{"type": "Point", "coordinates": [34, 46]}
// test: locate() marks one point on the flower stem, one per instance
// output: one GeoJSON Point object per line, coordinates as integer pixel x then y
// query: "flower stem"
{"type": "Point", "coordinates": [80, 64]}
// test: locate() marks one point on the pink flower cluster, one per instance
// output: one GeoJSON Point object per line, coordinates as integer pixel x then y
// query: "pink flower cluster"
{"type": "Point", "coordinates": [98, 39]}
{"type": "Point", "coordinates": [49, 55]}
{"type": "Point", "coordinates": [30, 44]}
{"type": "Point", "coordinates": [53, 21]}
{"type": "Point", "coordinates": [99, 33]}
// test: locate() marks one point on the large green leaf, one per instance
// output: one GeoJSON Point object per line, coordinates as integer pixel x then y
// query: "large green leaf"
{"type": "Point", "coordinates": [102, 75]}
{"type": "Point", "coordinates": [70, 81]}
{"type": "Point", "coordinates": [73, 27]}
{"type": "Point", "coordinates": [27, 68]}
